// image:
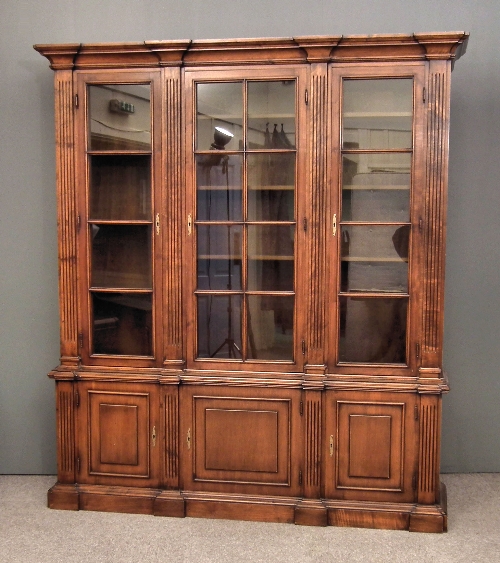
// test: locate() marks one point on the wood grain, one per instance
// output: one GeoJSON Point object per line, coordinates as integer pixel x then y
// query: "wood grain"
{"type": "Point", "coordinates": [308, 439]}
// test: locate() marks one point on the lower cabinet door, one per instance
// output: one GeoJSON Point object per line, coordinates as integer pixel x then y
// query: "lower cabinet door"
{"type": "Point", "coordinates": [241, 440]}
{"type": "Point", "coordinates": [372, 440]}
{"type": "Point", "coordinates": [118, 426]}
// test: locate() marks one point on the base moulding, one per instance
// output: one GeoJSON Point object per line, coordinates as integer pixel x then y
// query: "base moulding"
{"type": "Point", "coordinates": [290, 510]}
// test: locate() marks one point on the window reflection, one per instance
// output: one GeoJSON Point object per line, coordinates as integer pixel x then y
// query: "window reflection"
{"type": "Point", "coordinates": [120, 117]}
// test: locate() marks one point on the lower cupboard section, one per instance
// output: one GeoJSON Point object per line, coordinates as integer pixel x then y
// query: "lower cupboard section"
{"type": "Point", "coordinates": [343, 458]}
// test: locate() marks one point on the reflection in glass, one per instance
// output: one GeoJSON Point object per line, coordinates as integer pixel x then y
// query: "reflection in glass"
{"type": "Point", "coordinates": [374, 258]}
{"type": "Point", "coordinates": [121, 324]}
{"type": "Point", "coordinates": [271, 257]}
{"type": "Point", "coordinates": [271, 115]}
{"type": "Point", "coordinates": [120, 116]}
{"type": "Point", "coordinates": [376, 187]}
{"type": "Point", "coordinates": [373, 330]}
{"type": "Point", "coordinates": [120, 187]}
{"type": "Point", "coordinates": [219, 190]}
{"type": "Point", "coordinates": [219, 105]}
{"type": "Point", "coordinates": [219, 326]}
{"type": "Point", "coordinates": [270, 327]}
{"type": "Point", "coordinates": [377, 113]}
{"type": "Point", "coordinates": [257, 186]}
{"type": "Point", "coordinates": [121, 256]}
{"type": "Point", "coordinates": [271, 170]}
{"type": "Point", "coordinates": [219, 257]}
{"type": "Point", "coordinates": [271, 183]}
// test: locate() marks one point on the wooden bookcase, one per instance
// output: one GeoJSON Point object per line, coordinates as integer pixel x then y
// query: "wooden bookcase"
{"type": "Point", "coordinates": [251, 266]}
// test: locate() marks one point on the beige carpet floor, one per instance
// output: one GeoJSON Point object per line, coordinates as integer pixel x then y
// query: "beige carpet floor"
{"type": "Point", "coordinates": [31, 533]}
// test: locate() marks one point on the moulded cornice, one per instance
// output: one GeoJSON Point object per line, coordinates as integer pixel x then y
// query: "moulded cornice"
{"type": "Point", "coordinates": [61, 57]}
{"type": "Point", "coordinates": [221, 52]}
{"type": "Point", "coordinates": [244, 51]}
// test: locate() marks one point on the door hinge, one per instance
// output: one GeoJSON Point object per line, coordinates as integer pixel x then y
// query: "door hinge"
{"type": "Point", "coordinates": [301, 408]}
{"type": "Point", "coordinates": [424, 95]}
{"type": "Point", "coordinates": [414, 482]}
{"type": "Point", "coordinates": [303, 347]}
{"type": "Point", "coordinates": [80, 340]}
{"type": "Point", "coordinates": [417, 346]}
{"type": "Point", "coordinates": [300, 477]}
{"type": "Point", "coordinates": [304, 223]}
{"type": "Point", "coordinates": [416, 412]}
{"type": "Point", "coordinates": [76, 101]}
{"type": "Point", "coordinates": [306, 97]}
{"type": "Point", "coordinates": [77, 399]}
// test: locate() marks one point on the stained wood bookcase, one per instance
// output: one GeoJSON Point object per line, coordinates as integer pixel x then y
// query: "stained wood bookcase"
{"type": "Point", "coordinates": [251, 250]}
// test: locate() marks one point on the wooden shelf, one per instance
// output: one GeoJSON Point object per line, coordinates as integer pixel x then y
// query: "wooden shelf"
{"type": "Point", "coordinates": [372, 259]}
{"type": "Point", "coordinates": [120, 289]}
{"type": "Point", "coordinates": [124, 222]}
{"type": "Point", "coordinates": [250, 188]}
{"type": "Point", "coordinates": [234, 257]}
{"type": "Point", "coordinates": [270, 257]}
{"type": "Point", "coordinates": [226, 117]}
{"type": "Point", "coordinates": [367, 292]}
{"type": "Point", "coordinates": [280, 188]}
{"type": "Point", "coordinates": [375, 188]}
{"type": "Point", "coordinates": [377, 114]}
{"type": "Point", "coordinates": [218, 257]}
{"type": "Point", "coordinates": [219, 188]}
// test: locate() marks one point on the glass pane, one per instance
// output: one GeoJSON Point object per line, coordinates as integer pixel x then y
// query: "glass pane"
{"type": "Point", "coordinates": [374, 258]}
{"type": "Point", "coordinates": [270, 327]}
{"type": "Point", "coordinates": [271, 115]}
{"type": "Point", "coordinates": [271, 257]}
{"type": "Point", "coordinates": [373, 330]}
{"type": "Point", "coordinates": [376, 187]}
{"type": "Point", "coordinates": [219, 257]}
{"type": "Point", "coordinates": [271, 183]}
{"type": "Point", "coordinates": [120, 117]}
{"type": "Point", "coordinates": [219, 105]}
{"type": "Point", "coordinates": [219, 191]}
{"type": "Point", "coordinates": [120, 187]}
{"type": "Point", "coordinates": [121, 256]}
{"type": "Point", "coordinates": [122, 324]}
{"type": "Point", "coordinates": [219, 326]}
{"type": "Point", "coordinates": [377, 113]}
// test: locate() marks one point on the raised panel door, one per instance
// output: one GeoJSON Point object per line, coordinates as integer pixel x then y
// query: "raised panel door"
{"type": "Point", "coordinates": [372, 443]}
{"type": "Point", "coordinates": [245, 441]}
{"type": "Point", "coordinates": [119, 430]}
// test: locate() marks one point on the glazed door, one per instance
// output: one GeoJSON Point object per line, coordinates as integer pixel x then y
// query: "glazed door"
{"type": "Point", "coordinates": [378, 131]}
{"type": "Point", "coordinates": [245, 153]}
{"type": "Point", "coordinates": [118, 147]}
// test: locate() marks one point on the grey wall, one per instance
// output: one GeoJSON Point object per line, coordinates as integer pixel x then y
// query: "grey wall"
{"type": "Point", "coordinates": [28, 268]}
